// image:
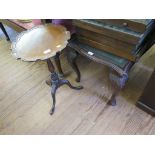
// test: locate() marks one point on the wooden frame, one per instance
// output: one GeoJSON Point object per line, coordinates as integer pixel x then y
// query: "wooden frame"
{"type": "Point", "coordinates": [15, 26]}
{"type": "Point", "coordinates": [118, 76]}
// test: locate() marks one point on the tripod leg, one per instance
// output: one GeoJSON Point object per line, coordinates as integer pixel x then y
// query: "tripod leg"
{"type": "Point", "coordinates": [58, 64]}
{"type": "Point", "coordinates": [53, 91]}
{"type": "Point", "coordinates": [63, 81]}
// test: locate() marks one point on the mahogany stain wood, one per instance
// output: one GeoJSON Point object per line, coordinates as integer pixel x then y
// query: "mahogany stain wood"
{"type": "Point", "coordinates": [126, 37]}
{"type": "Point", "coordinates": [115, 43]}
{"type": "Point", "coordinates": [107, 48]}
{"type": "Point", "coordinates": [135, 25]}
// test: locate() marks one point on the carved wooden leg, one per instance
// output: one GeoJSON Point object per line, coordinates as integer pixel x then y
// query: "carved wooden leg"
{"type": "Point", "coordinates": [58, 64]}
{"type": "Point", "coordinates": [4, 31]}
{"type": "Point", "coordinates": [118, 83]}
{"type": "Point", "coordinates": [54, 77]}
{"type": "Point", "coordinates": [63, 81]}
{"type": "Point", "coordinates": [56, 83]}
{"type": "Point", "coordinates": [53, 92]}
{"type": "Point", "coordinates": [72, 57]}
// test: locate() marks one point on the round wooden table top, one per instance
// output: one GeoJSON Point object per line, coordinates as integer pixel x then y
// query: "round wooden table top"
{"type": "Point", "coordinates": [41, 42]}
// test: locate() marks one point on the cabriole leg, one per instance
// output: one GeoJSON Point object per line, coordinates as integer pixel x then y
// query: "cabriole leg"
{"type": "Point", "coordinates": [53, 92]}
{"type": "Point", "coordinates": [56, 83]}
{"type": "Point", "coordinates": [118, 83]}
{"type": "Point", "coordinates": [72, 57]}
{"type": "Point", "coordinates": [63, 81]}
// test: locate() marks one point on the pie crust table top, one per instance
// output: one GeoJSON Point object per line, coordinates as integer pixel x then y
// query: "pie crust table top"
{"type": "Point", "coordinates": [40, 42]}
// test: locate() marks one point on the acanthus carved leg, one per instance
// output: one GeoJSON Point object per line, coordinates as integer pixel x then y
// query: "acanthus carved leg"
{"type": "Point", "coordinates": [72, 57]}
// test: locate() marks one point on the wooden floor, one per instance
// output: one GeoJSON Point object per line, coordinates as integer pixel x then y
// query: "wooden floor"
{"type": "Point", "coordinates": [25, 99]}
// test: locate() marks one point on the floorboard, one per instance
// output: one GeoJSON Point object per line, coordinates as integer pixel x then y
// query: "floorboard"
{"type": "Point", "coordinates": [25, 99]}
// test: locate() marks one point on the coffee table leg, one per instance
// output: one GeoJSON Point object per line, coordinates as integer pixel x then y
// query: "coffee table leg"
{"type": "Point", "coordinates": [56, 83]}
{"type": "Point", "coordinates": [72, 57]}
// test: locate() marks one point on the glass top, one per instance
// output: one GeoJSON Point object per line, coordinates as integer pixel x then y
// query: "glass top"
{"type": "Point", "coordinates": [40, 42]}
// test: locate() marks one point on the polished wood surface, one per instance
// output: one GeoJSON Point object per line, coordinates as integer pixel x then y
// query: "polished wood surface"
{"type": "Point", "coordinates": [107, 48]}
{"type": "Point", "coordinates": [110, 32]}
{"type": "Point", "coordinates": [40, 42]}
{"type": "Point", "coordinates": [25, 99]}
{"type": "Point", "coordinates": [135, 25]}
{"type": "Point", "coordinates": [105, 40]}
{"type": "Point", "coordinates": [113, 39]}
{"type": "Point", "coordinates": [106, 35]}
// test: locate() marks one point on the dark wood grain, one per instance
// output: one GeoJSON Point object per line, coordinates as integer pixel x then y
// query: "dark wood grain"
{"type": "Point", "coordinates": [119, 35]}
{"type": "Point", "coordinates": [130, 24]}
{"type": "Point", "coordinates": [120, 45]}
{"type": "Point", "coordinates": [106, 48]}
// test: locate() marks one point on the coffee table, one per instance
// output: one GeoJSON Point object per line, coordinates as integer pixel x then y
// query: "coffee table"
{"type": "Point", "coordinates": [42, 43]}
